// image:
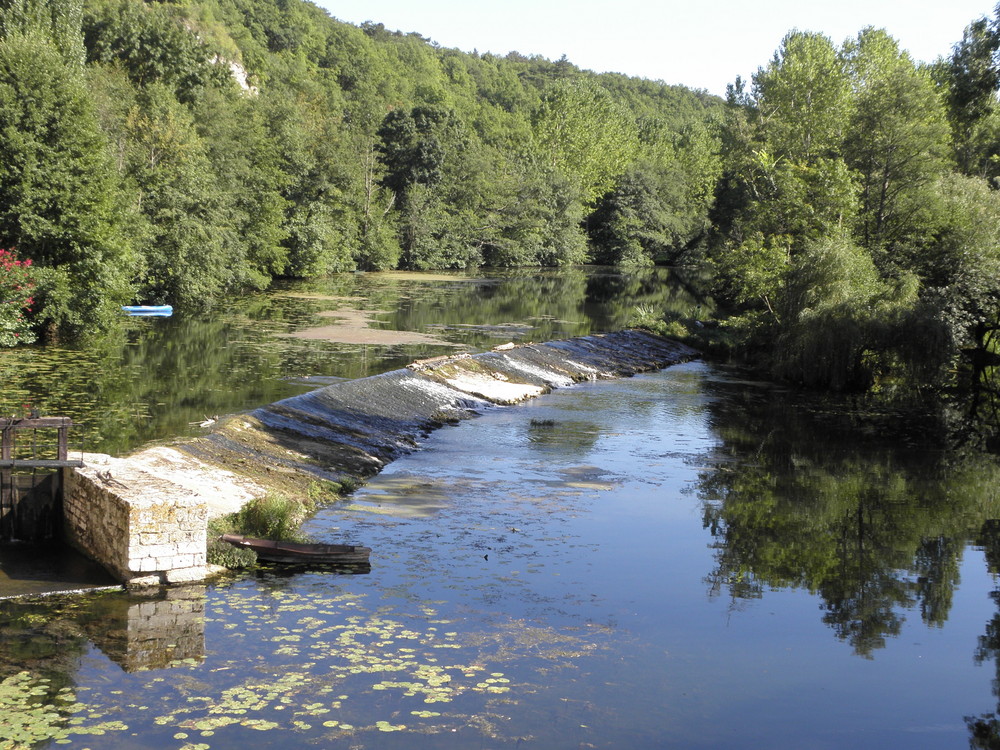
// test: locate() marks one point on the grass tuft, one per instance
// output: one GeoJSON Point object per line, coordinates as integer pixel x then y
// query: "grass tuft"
{"type": "Point", "coordinates": [273, 516]}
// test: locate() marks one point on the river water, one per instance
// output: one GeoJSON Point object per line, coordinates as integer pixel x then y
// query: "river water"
{"type": "Point", "coordinates": [160, 378]}
{"type": "Point", "coordinates": [686, 559]}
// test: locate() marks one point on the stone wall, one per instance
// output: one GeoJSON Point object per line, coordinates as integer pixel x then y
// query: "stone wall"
{"type": "Point", "coordinates": [140, 528]}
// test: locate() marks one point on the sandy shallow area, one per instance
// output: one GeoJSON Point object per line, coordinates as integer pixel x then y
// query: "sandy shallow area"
{"type": "Point", "coordinates": [352, 326]}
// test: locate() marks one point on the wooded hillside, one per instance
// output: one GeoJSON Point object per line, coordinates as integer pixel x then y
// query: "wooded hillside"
{"type": "Point", "coordinates": [163, 152]}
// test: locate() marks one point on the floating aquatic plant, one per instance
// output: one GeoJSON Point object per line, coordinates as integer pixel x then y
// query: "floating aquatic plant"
{"type": "Point", "coordinates": [310, 663]}
{"type": "Point", "coordinates": [31, 714]}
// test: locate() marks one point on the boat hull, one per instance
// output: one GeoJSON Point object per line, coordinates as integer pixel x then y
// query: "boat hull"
{"type": "Point", "coordinates": [293, 552]}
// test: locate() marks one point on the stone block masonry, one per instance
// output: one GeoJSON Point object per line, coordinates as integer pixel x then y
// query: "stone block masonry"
{"type": "Point", "coordinates": [144, 518]}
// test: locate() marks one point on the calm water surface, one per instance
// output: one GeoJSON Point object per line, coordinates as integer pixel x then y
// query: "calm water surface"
{"type": "Point", "coordinates": [684, 559]}
{"type": "Point", "coordinates": [159, 378]}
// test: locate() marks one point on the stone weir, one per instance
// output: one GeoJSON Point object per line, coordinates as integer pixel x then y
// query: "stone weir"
{"type": "Point", "coordinates": [144, 516]}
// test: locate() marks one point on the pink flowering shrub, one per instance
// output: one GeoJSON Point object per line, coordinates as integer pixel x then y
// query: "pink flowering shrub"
{"type": "Point", "coordinates": [16, 287]}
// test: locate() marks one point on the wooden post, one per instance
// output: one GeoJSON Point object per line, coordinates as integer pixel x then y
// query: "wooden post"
{"type": "Point", "coordinates": [63, 449]}
{"type": "Point", "coordinates": [7, 439]}
{"type": "Point", "coordinates": [11, 497]}
{"type": "Point", "coordinates": [6, 478]}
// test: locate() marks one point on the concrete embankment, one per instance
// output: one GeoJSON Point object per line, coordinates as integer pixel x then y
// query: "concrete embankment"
{"type": "Point", "coordinates": [143, 517]}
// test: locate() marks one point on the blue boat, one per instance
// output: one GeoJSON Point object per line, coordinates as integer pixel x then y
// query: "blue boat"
{"type": "Point", "coordinates": [157, 311]}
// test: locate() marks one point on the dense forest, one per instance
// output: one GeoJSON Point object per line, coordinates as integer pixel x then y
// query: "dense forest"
{"type": "Point", "coordinates": [845, 199]}
{"type": "Point", "coordinates": [178, 152]}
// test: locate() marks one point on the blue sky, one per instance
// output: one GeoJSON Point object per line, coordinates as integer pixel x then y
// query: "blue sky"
{"type": "Point", "coordinates": [698, 43]}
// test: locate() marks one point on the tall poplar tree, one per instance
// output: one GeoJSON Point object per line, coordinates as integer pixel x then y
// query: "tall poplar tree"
{"type": "Point", "coordinates": [586, 135]}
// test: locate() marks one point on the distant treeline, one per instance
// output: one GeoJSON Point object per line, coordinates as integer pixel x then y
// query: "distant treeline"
{"type": "Point", "coordinates": [162, 152]}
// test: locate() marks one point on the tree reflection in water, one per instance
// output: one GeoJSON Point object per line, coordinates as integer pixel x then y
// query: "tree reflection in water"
{"type": "Point", "coordinates": [852, 503]}
{"type": "Point", "coordinates": [984, 730]}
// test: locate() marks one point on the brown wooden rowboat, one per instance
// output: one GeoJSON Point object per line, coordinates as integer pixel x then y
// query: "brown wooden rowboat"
{"type": "Point", "coordinates": [295, 552]}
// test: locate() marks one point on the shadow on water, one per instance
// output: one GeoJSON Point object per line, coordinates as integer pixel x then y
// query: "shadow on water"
{"type": "Point", "coordinates": [31, 570]}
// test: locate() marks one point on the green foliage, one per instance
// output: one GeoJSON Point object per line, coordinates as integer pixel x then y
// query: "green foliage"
{"type": "Point", "coordinates": [785, 171]}
{"type": "Point", "coordinates": [272, 516]}
{"type": "Point", "coordinates": [28, 719]}
{"type": "Point", "coordinates": [587, 135]}
{"type": "Point", "coordinates": [898, 141]}
{"type": "Point", "coordinates": [190, 249]}
{"type": "Point", "coordinates": [659, 209]}
{"type": "Point", "coordinates": [250, 183]}
{"type": "Point", "coordinates": [196, 149]}
{"type": "Point", "coordinates": [837, 242]}
{"type": "Point", "coordinates": [970, 79]}
{"type": "Point", "coordinates": [58, 189]}
{"type": "Point", "coordinates": [57, 21]}
{"type": "Point", "coordinates": [752, 274]}
{"type": "Point", "coordinates": [227, 555]}
{"type": "Point", "coordinates": [804, 97]}
{"type": "Point", "coordinates": [961, 275]}
{"type": "Point", "coordinates": [414, 145]}
{"type": "Point", "coordinates": [840, 318]}
{"type": "Point", "coordinates": [16, 287]}
{"type": "Point", "coordinates": [152, 44]}
{"type": "Point", "coordinates": [668, 326]}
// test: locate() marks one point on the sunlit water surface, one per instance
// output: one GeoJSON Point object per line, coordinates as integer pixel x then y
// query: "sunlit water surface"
{"type": "Point", "coordinates": [680, 559]}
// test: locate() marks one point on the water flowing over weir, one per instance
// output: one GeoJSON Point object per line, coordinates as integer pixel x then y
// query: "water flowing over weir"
{"type": "Point", "coordinates": [356, 427]}
{"type": "Point", "coordinates": [154, 504]}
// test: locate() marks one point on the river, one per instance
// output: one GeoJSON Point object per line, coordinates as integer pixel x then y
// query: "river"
{"type": "Point", "coordinates": [689, 558]}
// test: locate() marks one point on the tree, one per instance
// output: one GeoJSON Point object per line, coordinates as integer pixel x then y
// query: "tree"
{"type": "Point", "coordinates": [152, 45]}
{"type": "Point", "coordinates": [970, 78]}
{"type": "Point", "coordinates": [783, 147]}
{"type": "Point", "coordinates": [840, 318]}
{"type": "Point", "coordinates": [437, 170]}
{"type": "Point", "coordinates": [379, 246]}
{"type": "Point", "coordinates": [803, 98]}
{"type": "Point", "coordinates": [190, 246]}
{"type": "Point", "coordinates": [58, 21]}
{"type": "Point", "coordinates": [319, 178]}
{"type": "Point", "coordinates": [587, 135]}
{"type": "Point", "coordinates": [898, 142]}
{"type": "Point", "coordinates": [414, 145]}
{"type": "Point", "coordinates": [660, 208]}
{"type": "Point", "coordinates": [245, 161]}
{"type": "Point", "coordinates": [961, 275]}
{"type": "Point", "coordinates": [58, 190]}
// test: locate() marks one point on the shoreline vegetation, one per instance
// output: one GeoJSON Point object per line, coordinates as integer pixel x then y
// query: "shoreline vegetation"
{"type": "Point", "coordinates": [843, 201]}
{"type": "Point", "coordinates": [274, 516]}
